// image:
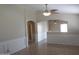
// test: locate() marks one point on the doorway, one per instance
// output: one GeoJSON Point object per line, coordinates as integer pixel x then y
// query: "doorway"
{"type": "Point", "coordinates": [31, 32]}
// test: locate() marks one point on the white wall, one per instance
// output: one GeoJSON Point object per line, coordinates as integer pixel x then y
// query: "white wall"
{"type": "Point", "coordinates": [42, 31]}
{"type": "Point", "coordinates": [12, 46]}
{"type": "Point", "coordinates": [12, 25]}
{"type": "Point", "coordinates": [63, 38]}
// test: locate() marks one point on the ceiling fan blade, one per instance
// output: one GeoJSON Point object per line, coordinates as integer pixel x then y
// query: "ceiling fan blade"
{"type": "Point", "coordinates": [54, 11]}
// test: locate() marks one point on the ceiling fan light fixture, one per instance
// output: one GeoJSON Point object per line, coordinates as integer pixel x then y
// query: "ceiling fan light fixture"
{"type": "Point", "coordinates": [46, 13]}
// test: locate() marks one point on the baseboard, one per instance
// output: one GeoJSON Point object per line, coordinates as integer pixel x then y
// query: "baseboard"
{"type": "Point", "coordinates": [64, 44]}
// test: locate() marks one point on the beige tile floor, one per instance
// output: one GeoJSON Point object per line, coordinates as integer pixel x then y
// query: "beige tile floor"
{"type": "Point", "coordinates": [49, 49]}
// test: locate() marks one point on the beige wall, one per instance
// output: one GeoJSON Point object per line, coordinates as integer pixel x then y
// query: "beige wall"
{"type": "Point", "coordinates": [12, 21]}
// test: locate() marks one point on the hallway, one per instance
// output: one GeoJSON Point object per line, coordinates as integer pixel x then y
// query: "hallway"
{"type": "Point", "coordinates": [49, 49]}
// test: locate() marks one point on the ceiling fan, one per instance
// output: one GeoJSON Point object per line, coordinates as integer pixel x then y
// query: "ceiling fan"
{"type": "Point", "coordinates": [49, 12]}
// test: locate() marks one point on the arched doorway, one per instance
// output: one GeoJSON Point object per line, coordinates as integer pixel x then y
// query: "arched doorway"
{"type": "Point", "coordinates": [31, 31]}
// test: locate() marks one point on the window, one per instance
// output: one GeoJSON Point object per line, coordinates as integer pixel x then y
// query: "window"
{"type": "Point", "coordinates": [63, 28]}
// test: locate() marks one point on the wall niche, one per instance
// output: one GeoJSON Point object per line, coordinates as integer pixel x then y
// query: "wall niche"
{"type": "Point", "coordinates": [54, 25]}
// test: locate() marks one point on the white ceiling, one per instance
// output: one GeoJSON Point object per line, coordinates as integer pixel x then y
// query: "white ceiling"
{"type": "Point", "coordinates": [62, 8]}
